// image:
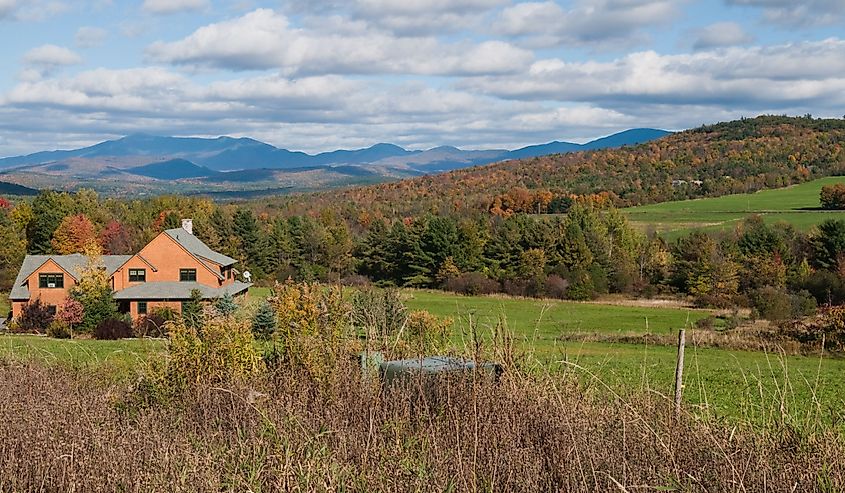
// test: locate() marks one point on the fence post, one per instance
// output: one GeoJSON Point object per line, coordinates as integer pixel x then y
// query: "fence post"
{"type": "Point", "coordinates": [679, 371]}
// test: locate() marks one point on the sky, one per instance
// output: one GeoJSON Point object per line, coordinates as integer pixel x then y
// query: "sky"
{"type": "Point", "coordinates": [317, 75]}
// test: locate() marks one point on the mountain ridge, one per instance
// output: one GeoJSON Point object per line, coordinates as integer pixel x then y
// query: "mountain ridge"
{"type": "Point", "coordinates": [226, 153]}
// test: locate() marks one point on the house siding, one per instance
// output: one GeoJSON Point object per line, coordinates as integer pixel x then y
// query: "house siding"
{"type": "Point", "coordinates": [48, 296]}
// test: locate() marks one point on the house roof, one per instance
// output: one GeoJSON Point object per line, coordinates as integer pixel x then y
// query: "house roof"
{"type": "Point", "coordinates": [72, 264]}
{"type": "Point", "coordinates": [171, 290]}
{"type": "Point", "coordinates": [196, 247]}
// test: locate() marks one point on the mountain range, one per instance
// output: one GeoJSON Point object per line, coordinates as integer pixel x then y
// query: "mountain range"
{"type": "Point", "coordinates": [160, 164]}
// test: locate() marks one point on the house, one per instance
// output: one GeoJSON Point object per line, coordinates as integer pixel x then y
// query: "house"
{"type": "Point", "coordinates": [162, 274]}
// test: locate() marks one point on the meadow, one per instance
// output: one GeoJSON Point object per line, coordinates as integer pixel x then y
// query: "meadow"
{"type": "Point", "coordinates": [725, 384]}
{"type": "Point", "coordinates": [797, 205]}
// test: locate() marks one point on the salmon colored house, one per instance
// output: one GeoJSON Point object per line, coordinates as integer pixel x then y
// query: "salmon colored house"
{"type": "Point", "coordinates": [162, 274]}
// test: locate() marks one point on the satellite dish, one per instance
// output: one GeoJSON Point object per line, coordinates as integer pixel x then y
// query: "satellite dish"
{"type": "Point", "coordinates": [247, 276]}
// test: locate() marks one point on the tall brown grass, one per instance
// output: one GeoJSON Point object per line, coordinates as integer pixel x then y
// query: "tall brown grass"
{"type": "Point", "coordinates": [62, 430]}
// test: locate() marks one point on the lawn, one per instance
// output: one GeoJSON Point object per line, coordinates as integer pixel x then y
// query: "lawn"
{"type": "Point", "coordinates": [118, 359]}
{"type": "Point", "coordinates": [796, 205]}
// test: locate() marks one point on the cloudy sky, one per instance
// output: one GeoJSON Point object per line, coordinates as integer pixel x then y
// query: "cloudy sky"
{"type": "Point", "coordinates": [317, 75]}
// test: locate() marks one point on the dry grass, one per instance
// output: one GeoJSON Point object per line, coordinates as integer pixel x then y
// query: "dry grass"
{"type": "Point", "coordinates": [62, 431]}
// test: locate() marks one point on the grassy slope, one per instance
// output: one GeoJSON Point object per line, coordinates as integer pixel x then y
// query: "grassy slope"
{"type": "Point", "coordinates": [794, 205]}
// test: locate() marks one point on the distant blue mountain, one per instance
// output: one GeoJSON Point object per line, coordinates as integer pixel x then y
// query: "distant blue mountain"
{"type": "Point", "coordinates": [199, 158]}
{"type": "Point", "coordinates": [172, 169]}
{"type": "Point", "coordinates": [626, 138]}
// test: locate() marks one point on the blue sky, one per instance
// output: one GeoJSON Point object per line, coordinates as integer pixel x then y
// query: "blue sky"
{"type": "Point", "coordinates": [323, 74]}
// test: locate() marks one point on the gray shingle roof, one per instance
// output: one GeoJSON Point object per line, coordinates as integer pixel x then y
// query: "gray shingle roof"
{"type": "Point", "coordinates": [193, 244]}
{"type": "Point", "coordinates": [169, 290]}
{"type": "Point", "coordinates": [73, 264]}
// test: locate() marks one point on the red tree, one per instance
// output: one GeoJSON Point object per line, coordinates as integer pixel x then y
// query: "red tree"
{"type": "Point", "coordinates": [115, 239]}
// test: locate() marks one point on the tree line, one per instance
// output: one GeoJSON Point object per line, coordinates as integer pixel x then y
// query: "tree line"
{"type": "Point", "coordinates": [589, 251]}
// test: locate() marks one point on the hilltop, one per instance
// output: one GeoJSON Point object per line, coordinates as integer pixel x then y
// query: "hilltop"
{"type": "Point", "coordinates": [725, 158]}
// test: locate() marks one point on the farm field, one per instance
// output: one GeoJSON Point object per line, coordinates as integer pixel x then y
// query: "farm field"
{"type": "Point", "coordinates": [751, 386]}
{"type": "Point", "coordinates": [544, 320]}
{"type": "Point", "coordinates": [796, 205]}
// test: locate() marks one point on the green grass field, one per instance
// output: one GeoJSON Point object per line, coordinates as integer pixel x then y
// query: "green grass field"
{"type": "Point", "coordinates": [795, 205]}
{"type": "Point", "coordinates": [544, 320]}
{"type": "Point", "coordinates": [750, 386]}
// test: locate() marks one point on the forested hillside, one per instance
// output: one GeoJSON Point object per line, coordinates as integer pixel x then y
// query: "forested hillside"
{"type": "Point", "coordinates": [733, 157]}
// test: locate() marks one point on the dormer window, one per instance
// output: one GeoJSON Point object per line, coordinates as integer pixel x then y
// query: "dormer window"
{"type": "Point", "coordinates": [51, 280]}
{"type": "Point", "coordinates": [137, 275]}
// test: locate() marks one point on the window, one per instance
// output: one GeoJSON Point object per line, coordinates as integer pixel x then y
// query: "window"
{"type": "Point", "coordinates": [51, 309]}
{"type": "Point", "coordinates": [142, 308]}
{"type": "Point", "coordinates": [187, 275]}
{"type": "Point", "coordinates": [137, 275]}
{"type": "Point", "coordinates": [51, 281]}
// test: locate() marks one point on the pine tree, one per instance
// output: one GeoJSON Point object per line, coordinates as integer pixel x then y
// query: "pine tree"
{"type": "Point", "coordinates": [264, 321]}
{"type": "Point", "coordinates": [192, 309]}
{"type": "Point", "coordinates": [225, 305]}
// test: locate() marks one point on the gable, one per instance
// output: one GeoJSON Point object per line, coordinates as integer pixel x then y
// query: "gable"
{"type": "Point", "coordinates": [164, 251]}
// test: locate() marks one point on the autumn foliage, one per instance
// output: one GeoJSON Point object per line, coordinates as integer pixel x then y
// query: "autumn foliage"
{"type": "Point", "coordinates": [75, 234]}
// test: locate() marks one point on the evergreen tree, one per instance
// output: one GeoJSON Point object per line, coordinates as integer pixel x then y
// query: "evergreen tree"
{"type": "Point", "coordinates": [264, 321]}
{"type": "Point", "coordinates": [829, 244]}
{"type": "Point", "coordinates": [192, 309]}
{"type": "Point", "coordinates": [221, 224]}
{"type": "Point", "coordinates": [225, 305]}
{"type": "Point", "coordinates": [375, 253]}
{"type": "Point", "coordinates": [245, 228]}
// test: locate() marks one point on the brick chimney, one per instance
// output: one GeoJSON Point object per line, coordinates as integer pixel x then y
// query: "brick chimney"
{"type": "Point", "coordinates": [188, 225]}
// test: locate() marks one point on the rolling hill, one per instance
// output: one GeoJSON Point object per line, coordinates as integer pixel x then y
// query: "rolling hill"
{"type": "Point", "coordinates": [14, 189]}
{"type": "Point", "coordinates": [172, 169]}
{"type": "Point", "coordinates": [727, 158]}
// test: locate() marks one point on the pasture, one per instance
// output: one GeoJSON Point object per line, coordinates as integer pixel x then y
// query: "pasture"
{"type": "Point", "coordinates": [797, 205]}
{"type": "Point", "coordinates": [750, 386]}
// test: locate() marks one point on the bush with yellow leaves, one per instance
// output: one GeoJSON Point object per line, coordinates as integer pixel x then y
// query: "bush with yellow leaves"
{"type": "Point", "coordinates": [313, 325]}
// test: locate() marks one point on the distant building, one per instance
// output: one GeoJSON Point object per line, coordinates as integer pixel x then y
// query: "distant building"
{"type": "Point", "coordinates": [162, 274]}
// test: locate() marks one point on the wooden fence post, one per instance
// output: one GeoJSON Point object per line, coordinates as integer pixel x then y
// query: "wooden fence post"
{"type": "Point", "coordinates": [679, 371]}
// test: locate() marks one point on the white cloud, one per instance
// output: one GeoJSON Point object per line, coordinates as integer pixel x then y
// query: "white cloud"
{"type": "Point", "coordinates": [405, 18]}
{"type": "Point", "coordinates": [720, 34]}
{"type": "Point", "coordinates": [588, 22]}
{"type": "Point", "coordinates": [808, 74]}
{"type": "Point", "coordinates": [7, 8]}
{"type": "Point", "coordinates": [50, 56]}
{"type": "Point", "coordinates": [804, 13]}
{"type": "Point", "coordinates": [264, 39]}
{"type": "Point", "coordinates": [173, 6]}
{"type": "Point", "coordinates": [90, 37]}
{"type": "Point", "coordinates": [313, 114]}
